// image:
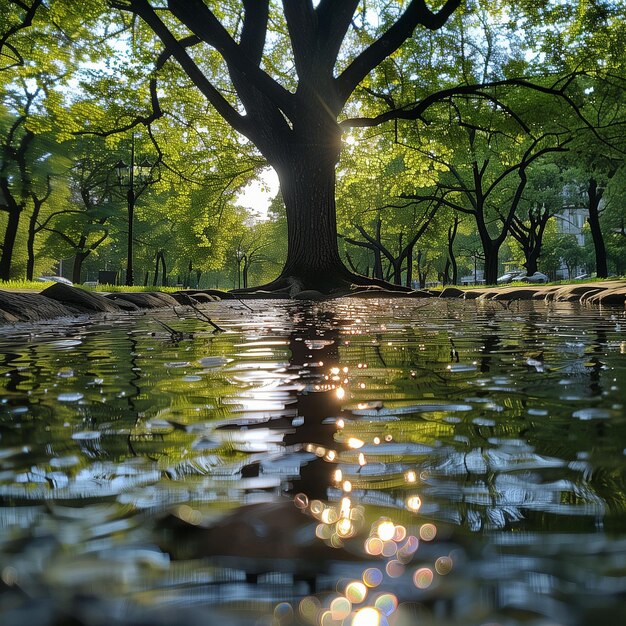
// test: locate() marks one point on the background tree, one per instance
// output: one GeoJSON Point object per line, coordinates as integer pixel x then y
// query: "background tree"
{"type": "Point", "coordinates": [84, 223]}
{"type": "Point", "coordinates": [543, 198]}
{"type": "Point", "coordinates": [28, 168]}
{"type": "Point", "coordinates": [486, 186]}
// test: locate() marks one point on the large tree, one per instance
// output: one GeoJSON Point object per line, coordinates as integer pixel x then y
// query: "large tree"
{"type": "Point", "coordinates": [292, 120]}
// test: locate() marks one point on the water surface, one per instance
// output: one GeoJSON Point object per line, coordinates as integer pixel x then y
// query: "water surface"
{"type": "Point", "coordinates": [351, 462]}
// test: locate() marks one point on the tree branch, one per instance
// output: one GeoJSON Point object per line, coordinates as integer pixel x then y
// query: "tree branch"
{"type": "Point", "coordinates": [201, 21]}
{"type": "Point", "coordinates": [334, 18]}
{"type": "Point", "coordinates": [176, 49]}
{"type": "Point", "coordinates": [25, 22]}
{"type": "Point", "coordinates": [302, 27]}
{"type": "Point", "coordinates": [415, 14]}
{"type": "Point", "coordinates": [416, 111]}
{"type": "Point", "coordinates": [254, 29]}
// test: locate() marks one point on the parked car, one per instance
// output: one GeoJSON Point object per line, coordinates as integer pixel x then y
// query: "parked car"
{"type": "Point", "coordinates": [509, 277]}
{"type": "Point", "coordinates": [537, 277]}
{"type": "Point", "coordinates": [55, 279]}
{"type": "Point", "coordinates": [90, 283]}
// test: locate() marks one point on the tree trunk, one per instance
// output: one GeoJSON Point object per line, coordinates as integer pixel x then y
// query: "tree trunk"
{"type": "Point", "coordinates": [163, 270]}
{"type": "Point", "coordinates": [397, 264]}
{"type": "Point", "coordinates": [452, 231]}
{"type": "Point", "coordinates": [30, 242]}
{"type": "Point", "coordinates": [77, 266]}
{"type": "Point", "coordinates": [187, 281]}
{"type": "Point", "coordinates": [30, 248]}
{"type": "Point", "coordinates": [491, 263]}
{"type": "Point", "coordinates": [307, 185]}
{"type": "Point", "coordinates": [160, 260]}
{"type": "Point", "coordinates": [246, 267]}
{"type": "Point", "coordinates": [421, 276]}
{"type": "Point", "coordinates": [595, 195]}
{"type": "Point", "coordinates": [377, 271]}
{"type": "Point", "coordinates": [155, 280]}
{"type": "Point", "coordinates": [409, 267]}
{"type": "Point", "coordinates": [397, 272]}
{"type": "Point", "coordinates": [532, 259]}
{"type": "Point", "coordinates": [10, 234]}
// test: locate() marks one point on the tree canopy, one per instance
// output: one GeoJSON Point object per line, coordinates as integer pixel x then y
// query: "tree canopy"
{"type": "Point", "coordinates": [396, 130]}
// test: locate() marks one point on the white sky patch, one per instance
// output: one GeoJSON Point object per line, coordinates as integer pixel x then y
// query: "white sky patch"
{"type": "Point", "coordinates": [256, 197]}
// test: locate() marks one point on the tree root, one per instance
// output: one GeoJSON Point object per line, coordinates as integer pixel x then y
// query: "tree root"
{"type": "Point", "coordinates": [340, 284]}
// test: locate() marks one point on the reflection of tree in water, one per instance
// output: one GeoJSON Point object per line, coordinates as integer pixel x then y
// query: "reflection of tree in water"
{"type": "Point", "coordinates": [314, 347]}
{"type": "Point", "coordinates": [323, 527]}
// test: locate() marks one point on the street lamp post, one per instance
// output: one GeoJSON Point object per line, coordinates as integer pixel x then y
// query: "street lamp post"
{"type": "Point", "coordinates": [123, 171]}
{"type": "Point", "coordinates": [239, 255]}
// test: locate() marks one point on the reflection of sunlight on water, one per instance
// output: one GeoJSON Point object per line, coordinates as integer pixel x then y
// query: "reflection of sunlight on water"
{"type": "Point", "coordinates": [367, 616]}
{"type": "Point", "coordinates": [362, 602]}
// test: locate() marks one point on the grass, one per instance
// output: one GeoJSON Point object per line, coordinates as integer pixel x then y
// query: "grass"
{"type": "Point", "coordinates": [36, 285]}
{"type": "Point", "coordinates": [124, 288]}
{"type": "Point", "coordinates": [19, 285]}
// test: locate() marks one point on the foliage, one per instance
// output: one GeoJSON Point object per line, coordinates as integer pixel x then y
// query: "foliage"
{"type": "Point", "coordinates": [516, 107]}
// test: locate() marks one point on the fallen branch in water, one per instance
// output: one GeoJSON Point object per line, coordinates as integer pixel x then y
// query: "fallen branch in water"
{"type": "Point", "coordinates": [206, 318]}
{"type": "Point", "coordinates": [176, 335]}
{"type": "Point", "coordinates": [189, 302]}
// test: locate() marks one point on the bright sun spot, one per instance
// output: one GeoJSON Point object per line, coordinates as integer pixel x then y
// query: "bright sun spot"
{"type": "Point", "coordinates": [366, 617]}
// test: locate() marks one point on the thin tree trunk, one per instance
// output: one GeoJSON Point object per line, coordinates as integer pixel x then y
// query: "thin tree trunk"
{"type": "Point", "coordinates": [409, 267]}
{"type": "Point", "coordinates": [155, 280]}
{"type": "Point", "coordinates": [397, 264]}
{"type": "Point", "coordinates": [187, 281]}
{"type": "Point", "coordinates": [246, 267]}
{"type": "Point", "coordinates": [10, 234]}
{"type": "Point", "coordinates": [451, 256]}
{"type": "Point", "coordinates": [377, 271]}
{"type": "Point", "coordinates": [77, 266]}
{"type": "Point", "coordinates": [421, 276]}
{"type": "Point", "coordinates": [30, 243]}
{"type": "Point", "coordinates": [595, 195]}
{"type": "Point", "coordinates": [163, 270]}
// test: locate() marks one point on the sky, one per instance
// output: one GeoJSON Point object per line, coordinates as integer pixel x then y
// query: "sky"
{"type": "Point", "coordinates": [257, 195]}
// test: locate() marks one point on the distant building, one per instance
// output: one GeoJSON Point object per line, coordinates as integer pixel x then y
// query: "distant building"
{"type": "Point", "coordinates": [570, 220]}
